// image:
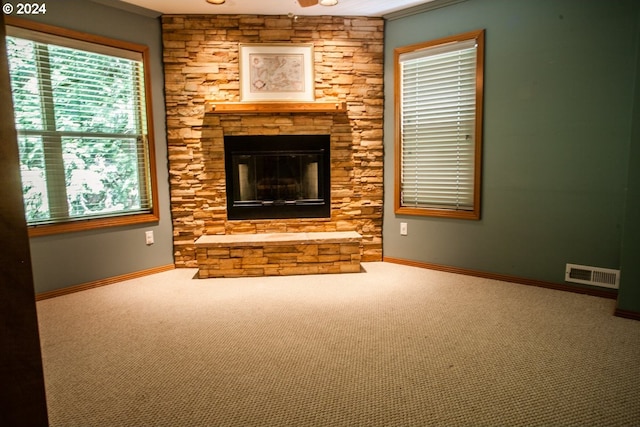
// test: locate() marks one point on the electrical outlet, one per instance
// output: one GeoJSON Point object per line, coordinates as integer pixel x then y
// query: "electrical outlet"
{"type": "Point", "coordinates": [148, 237]}
{"type": "Point", "coordinates": [403, 229]}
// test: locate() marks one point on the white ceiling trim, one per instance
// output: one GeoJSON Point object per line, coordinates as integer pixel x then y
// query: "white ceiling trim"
{"type": "Point", "coordinates": [397, 14]}
{"type": "Point", "coordinates": [377, 8]}
{"type": "Point", "coordinates": [436, 4]}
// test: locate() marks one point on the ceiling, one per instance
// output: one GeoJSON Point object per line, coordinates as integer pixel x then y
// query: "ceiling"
{"type": "Point", "coordinates": [277, 7]}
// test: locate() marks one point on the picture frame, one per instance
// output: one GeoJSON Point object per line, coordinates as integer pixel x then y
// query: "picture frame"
{"type": "Point", "coordinates": [276, 72]}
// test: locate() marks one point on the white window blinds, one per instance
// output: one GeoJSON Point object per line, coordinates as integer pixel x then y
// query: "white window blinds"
{"type": "Point", "coordinates": [438, 115]}
{"type": "Point", "coordinates": [81, 119]}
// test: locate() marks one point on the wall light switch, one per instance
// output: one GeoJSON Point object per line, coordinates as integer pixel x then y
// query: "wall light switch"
{"type": "Point", "coordinates": [403, 229]}
{"type": "Point", "coordinates": [148, 236]}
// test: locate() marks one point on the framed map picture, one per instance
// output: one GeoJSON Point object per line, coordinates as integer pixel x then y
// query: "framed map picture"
{"type": "Point", "coordinates": [276, 72]}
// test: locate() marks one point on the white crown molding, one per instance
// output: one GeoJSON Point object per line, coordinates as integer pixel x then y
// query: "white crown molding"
{"type": "Point", "coordinates": [436, 4]}
{"type": "Point", "coordinates": [128, 7]}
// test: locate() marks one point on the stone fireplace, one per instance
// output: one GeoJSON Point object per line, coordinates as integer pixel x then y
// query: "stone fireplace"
{"type": "Point", "coordinates": [201, 69]}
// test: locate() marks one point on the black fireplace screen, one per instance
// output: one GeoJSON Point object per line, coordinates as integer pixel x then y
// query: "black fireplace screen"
{"type": "Point", "coordinates": [277, 176]}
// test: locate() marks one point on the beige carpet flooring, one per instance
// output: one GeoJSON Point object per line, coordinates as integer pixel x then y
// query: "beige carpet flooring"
{"type": "Point", "coordinates": [391, 346]}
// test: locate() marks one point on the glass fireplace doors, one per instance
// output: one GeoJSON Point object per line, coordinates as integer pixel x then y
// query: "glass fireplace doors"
{"type": "Point", "coordinates": [277, 176]}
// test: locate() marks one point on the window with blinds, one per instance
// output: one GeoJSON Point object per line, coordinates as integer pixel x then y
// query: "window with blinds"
{"type": "Point", "coordinates": [439, 127]}
{"type": "Point", "coordinates": [83, 134]}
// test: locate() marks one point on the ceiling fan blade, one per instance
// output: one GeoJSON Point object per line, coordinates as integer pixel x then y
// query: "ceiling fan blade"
{"type": "Point", "coordinates": [307, 3]}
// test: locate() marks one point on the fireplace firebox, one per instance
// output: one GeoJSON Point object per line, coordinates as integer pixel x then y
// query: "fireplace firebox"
{"type": "Point", "coordinates": [277, 176]}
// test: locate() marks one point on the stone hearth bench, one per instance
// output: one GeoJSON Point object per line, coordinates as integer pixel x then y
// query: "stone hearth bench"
{"type": "Point", "coordinates": [278, 254]}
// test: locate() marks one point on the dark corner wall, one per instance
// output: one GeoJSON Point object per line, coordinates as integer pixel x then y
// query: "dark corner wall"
{"type": "Point", "coordinates": [629, 295]}
{"type": "Point", "coordinates": [561, 154]}
{"type": "Point", "coordinates": [71, 259]}
{"type": "Point", "coordinates": [22, 395]}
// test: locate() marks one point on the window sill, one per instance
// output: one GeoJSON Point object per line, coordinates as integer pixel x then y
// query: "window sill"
{"type": "Point", "coordinates": [92, 224]}
{"type": "Point", "coordinates": [440, 213]}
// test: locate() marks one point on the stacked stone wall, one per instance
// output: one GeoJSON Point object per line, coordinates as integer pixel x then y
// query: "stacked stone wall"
{"type": "Point", "coordinates": [201, 63]}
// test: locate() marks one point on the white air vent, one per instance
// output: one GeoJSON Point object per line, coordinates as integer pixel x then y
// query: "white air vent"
{"type": "Point", "coordinates": [592, 276]}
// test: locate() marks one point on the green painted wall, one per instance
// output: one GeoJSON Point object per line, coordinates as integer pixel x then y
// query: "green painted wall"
{"type": "Point", "coordinates": [629, 294]}
{"type": "Point", "coordinates": [559, 79]}
{"type": "Point", "coordinates": [76, 258]}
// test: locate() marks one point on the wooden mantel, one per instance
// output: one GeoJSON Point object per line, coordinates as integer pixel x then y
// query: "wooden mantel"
{"type": "Point", "coordinates": [275, 107]}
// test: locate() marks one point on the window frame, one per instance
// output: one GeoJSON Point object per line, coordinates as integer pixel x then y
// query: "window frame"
{"type": "Point", "coordinates": [473, 214]}
{"type": "Point", "coordinates": [83, 224]}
